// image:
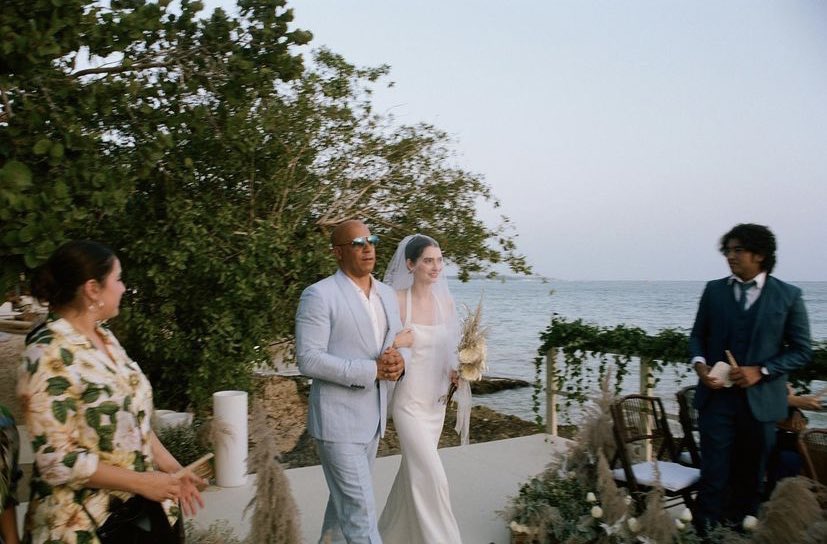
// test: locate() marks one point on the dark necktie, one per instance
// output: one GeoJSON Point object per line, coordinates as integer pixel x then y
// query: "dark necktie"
{"type": "Point", "coordinates": [745, 286]}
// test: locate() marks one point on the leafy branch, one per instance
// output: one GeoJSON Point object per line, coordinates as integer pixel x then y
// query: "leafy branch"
{"type": "Point", "coordinates": [616, 347]}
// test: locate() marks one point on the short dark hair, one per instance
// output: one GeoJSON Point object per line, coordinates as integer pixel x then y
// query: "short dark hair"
{"type": "Point", "coordinates": [70, 266]}
{"type": "Point", "coordinates": [756, 239]}
{"type": "Point", "coordinates": [417, 244]}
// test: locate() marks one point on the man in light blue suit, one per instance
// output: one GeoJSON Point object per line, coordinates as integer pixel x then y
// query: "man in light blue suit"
{"type": "Point", "coordinates": [762, 322]}
{"type": "Point", "coordinates": [345, 329]}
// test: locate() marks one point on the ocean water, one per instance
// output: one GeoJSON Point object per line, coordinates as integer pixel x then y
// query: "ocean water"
{"type": "Point", "coordinates": [516, 311]}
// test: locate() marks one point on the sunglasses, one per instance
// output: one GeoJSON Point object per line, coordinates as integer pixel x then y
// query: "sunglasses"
{"type": "Point", "coordinates": [362, 241]}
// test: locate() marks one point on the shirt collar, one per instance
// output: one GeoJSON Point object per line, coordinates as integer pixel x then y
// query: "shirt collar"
{"type": "Point", "coordinates": [65, 329]}
{"type": "Point", "coordinates": [359, 289]}
{"type": "Point", "coordinates": [759, 280]}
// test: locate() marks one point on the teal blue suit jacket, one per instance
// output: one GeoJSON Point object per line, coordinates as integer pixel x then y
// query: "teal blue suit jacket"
{"type": "Point", "coordinates": [780, 341]}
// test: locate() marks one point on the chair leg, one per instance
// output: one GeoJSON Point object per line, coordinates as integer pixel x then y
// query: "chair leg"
{"type": "Point", "coordinates": [689, 501]}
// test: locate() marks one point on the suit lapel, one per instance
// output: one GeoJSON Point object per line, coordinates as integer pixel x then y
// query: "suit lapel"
{"type": "Point", "coordinates": [768, 298]}
{"type": "Point", "coordinates": [357, 309]}
{"type": "Point", "coordinates": [385, 306]}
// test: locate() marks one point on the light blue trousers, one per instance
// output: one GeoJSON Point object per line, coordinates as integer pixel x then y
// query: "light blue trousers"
{"type": "Point", "coordinates": [350, 515]}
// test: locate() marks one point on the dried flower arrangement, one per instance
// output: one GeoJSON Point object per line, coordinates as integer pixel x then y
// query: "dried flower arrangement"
{"type": "Point", "coordinates": [576, 501]}
{"type": "Point", "coordinates": [471, 350]}
{"type": "Point", "coordinates": [275, 517]}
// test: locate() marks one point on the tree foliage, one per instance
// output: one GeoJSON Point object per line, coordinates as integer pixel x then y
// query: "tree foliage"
{"type": "Point", "coordinates": [215, 164]}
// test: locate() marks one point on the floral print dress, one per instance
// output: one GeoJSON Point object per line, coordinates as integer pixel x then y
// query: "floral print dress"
{"type": "Point", "coordinates": [81, 408]}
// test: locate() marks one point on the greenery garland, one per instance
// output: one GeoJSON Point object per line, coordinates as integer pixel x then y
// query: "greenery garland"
{"type": "Point", "coordinates": [617, 346]}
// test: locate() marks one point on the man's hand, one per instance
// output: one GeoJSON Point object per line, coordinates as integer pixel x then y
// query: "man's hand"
{"type": "Point", "coordinates": [390, 365]}
{"type": "Point", "coordinates": [702, 369]}
{"type": "Point", "coordinates": [745, 376]}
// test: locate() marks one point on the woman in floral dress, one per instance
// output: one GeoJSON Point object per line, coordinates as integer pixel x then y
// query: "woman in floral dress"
{"type": "Point", "coordinates": [87, 407]}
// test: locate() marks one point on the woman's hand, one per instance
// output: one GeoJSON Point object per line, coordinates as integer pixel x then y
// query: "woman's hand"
{"type": "Point", "coordinates": [191, 486]}
{"type": "Point", "coordinates": [805, 402]}
{"type": "Point", "coordinates": [159, 486]}
{"type": "Point", "coordinates": [455, 378]}
{"type": "Point", "coordinates": [404, 339]}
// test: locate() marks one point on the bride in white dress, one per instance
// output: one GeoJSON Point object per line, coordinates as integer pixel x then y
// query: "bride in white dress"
{"type": "Point", "coordinates": [419, 507]}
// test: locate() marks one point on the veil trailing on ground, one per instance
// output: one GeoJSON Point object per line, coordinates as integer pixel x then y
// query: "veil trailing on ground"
{"type": "Point", "coordinates": [444, 318]}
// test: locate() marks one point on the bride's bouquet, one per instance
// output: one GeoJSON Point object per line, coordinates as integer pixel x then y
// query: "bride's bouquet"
{"type": "Point", "coordinates": [471, 352]}
{"type": "Point", "coordinates": [471, 349]}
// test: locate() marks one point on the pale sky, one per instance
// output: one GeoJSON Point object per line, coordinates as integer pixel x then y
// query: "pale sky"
{"type": "Point", "coordinates": [623, 138]}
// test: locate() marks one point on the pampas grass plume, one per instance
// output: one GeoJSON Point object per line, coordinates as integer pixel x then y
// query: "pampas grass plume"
{"type": "Point", "coordinates": [275, 516]}
{"type": "Point", "coordinates": [792, 509]}
{"type": "Point", "coordinates": [613, 501]}
{"type": "Point", "coordinates": [655, 522]}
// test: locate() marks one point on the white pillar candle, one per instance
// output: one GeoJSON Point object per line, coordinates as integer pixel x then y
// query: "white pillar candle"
{"type": "Point", "coordinates": [230, 419]}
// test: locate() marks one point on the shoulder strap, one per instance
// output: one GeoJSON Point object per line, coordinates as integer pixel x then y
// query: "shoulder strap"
{"type": "Point", "coordinates": [408, 305]}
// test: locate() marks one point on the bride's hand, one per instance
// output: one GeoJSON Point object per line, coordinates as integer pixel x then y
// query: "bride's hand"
{"type": "Point", "coordinates": [404, 339]}
{"type": "Point", "coordinates": [455, 378]}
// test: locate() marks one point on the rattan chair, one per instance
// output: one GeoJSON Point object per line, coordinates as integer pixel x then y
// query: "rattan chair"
{"type": "Point", "coordinates": [646, 451]}
{"type": "Point", "coordinates": [688, 451]}
{"type": "Point", "coordinates": [813, 446]}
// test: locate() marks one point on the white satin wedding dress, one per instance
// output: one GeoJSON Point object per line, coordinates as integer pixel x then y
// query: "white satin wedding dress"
{"type": "Point", "coordinates": [419, 507]}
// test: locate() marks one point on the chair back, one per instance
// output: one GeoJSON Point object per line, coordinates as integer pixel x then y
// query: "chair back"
{"type": "Point", "coordinates": [688, 417]}
{"type": "Point", "coordinates": [641, 420]}
{"type": "Point", "coordinates": [813, 445]}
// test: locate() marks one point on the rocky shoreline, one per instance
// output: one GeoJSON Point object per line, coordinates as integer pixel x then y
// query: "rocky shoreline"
{"type": "Point", "coordinates": [285, 400]}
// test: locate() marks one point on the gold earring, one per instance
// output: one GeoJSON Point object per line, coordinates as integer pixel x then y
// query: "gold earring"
{"type": "Point", "coordinates": [91, 307]}
{"type": "Point", "coordinates": [100, 304]}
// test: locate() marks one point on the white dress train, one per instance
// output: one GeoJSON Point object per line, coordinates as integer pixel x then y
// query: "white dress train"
{"type": "Point", "coordinates": [419, 506]}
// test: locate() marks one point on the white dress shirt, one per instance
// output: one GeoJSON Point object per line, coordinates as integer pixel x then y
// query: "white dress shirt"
{"type": "Point", "coordinates": [373, 306]}
{"type": "Point", "coordinates": [753, 292]}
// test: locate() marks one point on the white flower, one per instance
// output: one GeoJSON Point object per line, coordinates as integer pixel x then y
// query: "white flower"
{"type": "Point", "coordinates": [627, 499]}
{"type": "Point", "coordinates": [750, 523]}
{"type": "Point", "coordinates": [590, 497]}
{"type": "Point", "coordinates": [634, 524]}
{"type": "Point", "coordinates": [686, 515]}
{"type": "Point", "coordinates": [597, 512]}
{"type": "Point", "coordinates": [52, 469]}
{"type": "Point", "coordinates": [518, 528]}
{"type": "Point", "coordinates": [611, 529]}
{"type": "Point", "coordinates": [127, 433]}
{"type": "Point", "coordinates": [680, 525]}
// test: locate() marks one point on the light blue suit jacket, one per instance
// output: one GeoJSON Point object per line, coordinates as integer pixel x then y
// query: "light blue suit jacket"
{"type": "Point", "coordinates": [336, 347]}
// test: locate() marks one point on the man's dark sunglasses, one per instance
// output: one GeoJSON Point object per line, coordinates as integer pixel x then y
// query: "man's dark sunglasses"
{"type": "Point", "coordinates": [362, 241]}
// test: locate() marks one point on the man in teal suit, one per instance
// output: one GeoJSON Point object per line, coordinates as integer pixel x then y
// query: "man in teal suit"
{"type": "Point", "coordinates": [346, 325]}
{"type": "Point", "coordinates": [762, 321]}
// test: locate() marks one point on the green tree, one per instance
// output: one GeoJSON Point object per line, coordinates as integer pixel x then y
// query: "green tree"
{"type": "Point", "coordinates": [76, 77]}
{"type": "Point", "coordinates": [219, 167]}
